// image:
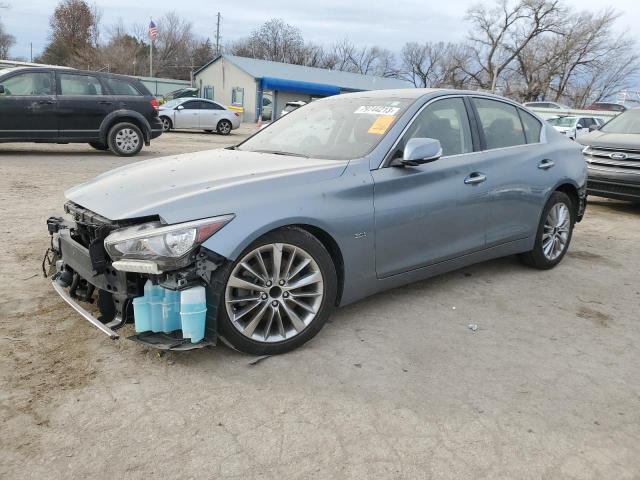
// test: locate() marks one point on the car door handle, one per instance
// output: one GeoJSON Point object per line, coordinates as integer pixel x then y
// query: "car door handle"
{"type": "Point", "coordinates": [475, 178]}
{"type": "Point", "coordinates": [104, 102]}
{"type": "Point", "coordinates": [545, 164]}
{"type": "Point", "coordinates": [46, 102]}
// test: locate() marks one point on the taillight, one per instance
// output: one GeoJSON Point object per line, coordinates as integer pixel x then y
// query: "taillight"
{"type": "Point", "coordinates": [236, 114]}
{"type": "Point", "coordinates": [155, 104]}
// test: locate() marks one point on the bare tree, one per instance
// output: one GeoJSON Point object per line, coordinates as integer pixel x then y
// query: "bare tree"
{"type": "Point", "coordinates": [435, 64]}
{"type": "Point", "coordinates": [274, 40]}
{"type": "Point", "coordinates": [499, 34]}
{"type": "Point", "coordinates": [6, 42]}
{"type": "Point", "coordinates": [73, 35]}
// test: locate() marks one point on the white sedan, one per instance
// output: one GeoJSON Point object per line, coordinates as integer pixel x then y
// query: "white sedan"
{"type": "Point", "coordinates": [198, 113]}
{"type": "Point", "coordinates": [574, 126]}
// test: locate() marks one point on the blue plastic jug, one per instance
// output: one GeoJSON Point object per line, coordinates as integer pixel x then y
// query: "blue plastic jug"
{"type": "Point", "coordinates": [193, 313]}
{"type": "Point", "coordinates": [171, 311]}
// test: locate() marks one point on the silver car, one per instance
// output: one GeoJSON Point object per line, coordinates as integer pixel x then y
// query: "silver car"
{"type": "Point", "coordinates": [346, 197]}
{"type": "Point", "coordinates": [198, 113]}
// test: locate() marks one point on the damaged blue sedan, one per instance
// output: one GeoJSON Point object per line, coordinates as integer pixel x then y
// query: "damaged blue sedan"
{"type": "Point", "coordinates": [256, 244]}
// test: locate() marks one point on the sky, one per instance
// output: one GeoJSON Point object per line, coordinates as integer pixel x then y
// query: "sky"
{"type": "Point", "coordinates": [364, 22]}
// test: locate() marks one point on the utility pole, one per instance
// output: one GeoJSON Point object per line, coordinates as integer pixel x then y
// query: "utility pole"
{"type": "Point", "coordinates": [31, 54]}
{"type": "Point", "coordinates": [218, 35]}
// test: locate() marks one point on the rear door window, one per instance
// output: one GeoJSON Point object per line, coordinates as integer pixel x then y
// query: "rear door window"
{"type": "Point", "coordinates": [28, 84]}
{"type": "Point", "coordinates": [122, 87]}
{"type": "Point", "coordinates": [532, 127]}
{"type": "Point", "coordinates": [73, 84]}
{"type": "Point", "coordinates": [500, 123]}
{"type": "Point", "coordinates": [210, 106]}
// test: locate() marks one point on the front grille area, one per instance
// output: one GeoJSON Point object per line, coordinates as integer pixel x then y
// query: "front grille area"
{"type": "Point", "coordinates": [613, 158]}
{"type": "Point", "coordinates": [626, 190]}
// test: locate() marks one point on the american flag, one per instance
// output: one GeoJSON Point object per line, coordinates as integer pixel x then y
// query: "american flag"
{"type": "Point", "coordinates": [153, 30]}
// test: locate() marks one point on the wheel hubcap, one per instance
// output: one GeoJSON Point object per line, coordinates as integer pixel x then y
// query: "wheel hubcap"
{"type": "Point", "coordinates": [225, 127]}
{"type": "Point", "coordinates": [274, 292]}
{"type": "Point", "coordinates": [555, 234]}
{"type": "Point", "coordinates": [127, 140]}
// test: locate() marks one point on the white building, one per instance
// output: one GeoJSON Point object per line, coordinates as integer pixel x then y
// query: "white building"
{"type": "Point", "coordinates": [248, 83]}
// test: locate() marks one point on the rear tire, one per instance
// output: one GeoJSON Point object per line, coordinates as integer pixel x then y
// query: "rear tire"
{"type": "Point", "coordinates": [554, 233]}
{"type": "Point", "coordinates": [224, 127]}
{"type": "Point", "coordinates": [99, 146]}
{"type": "Point", "coordinates": [125, 139]}
{"type": "Point", "coordinates": [287, 308]}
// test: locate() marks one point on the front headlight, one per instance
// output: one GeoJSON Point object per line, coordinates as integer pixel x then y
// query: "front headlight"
{"type": "Point", "coordinates": [166, 245]}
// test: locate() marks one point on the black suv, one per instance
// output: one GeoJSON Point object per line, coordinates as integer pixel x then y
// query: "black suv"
{"type": "Point", "coordinates": [59, 105]}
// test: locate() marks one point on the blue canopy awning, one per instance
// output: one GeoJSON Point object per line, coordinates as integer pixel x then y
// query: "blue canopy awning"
{"type": "Point", "coordinates": [270, 83]}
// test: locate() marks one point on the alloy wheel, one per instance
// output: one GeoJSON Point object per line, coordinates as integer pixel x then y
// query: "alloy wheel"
{"type": "Point", "coordinates": [274, 292]}
{"type": "Point", "coordinates": [555, 234]}
{"type": "Point", "coordinates": [224, 127]}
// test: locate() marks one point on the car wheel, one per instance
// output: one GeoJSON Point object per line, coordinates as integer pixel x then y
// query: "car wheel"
{"type": "Point", "coordinates": [125, 139]}
{"type": "Point", "coordinates": [554, 233]}
{"type": "Point", "coordinates": [277, 295]}
{"type": "Point", "coordinates": [166, 124]}
{"type": "Point", "coordinates": [99, 146]}
{"type": "Point", "coordinates": [224, 127]}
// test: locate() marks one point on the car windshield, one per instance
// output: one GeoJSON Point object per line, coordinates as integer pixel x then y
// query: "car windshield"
{"type": "Point", "coordinates": [627, 122]}
{"type": "Point", "coordinates": [174, 103]}
{"type": "Point", "coordinates": [335, 128]}
{"type": "Point", "coordinates": [562, 121]}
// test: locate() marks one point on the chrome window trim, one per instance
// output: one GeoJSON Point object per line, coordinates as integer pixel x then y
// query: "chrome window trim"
{"type": "Point", "coordinates": [413, 119]}
{"type": "Point", "coordinates": [543, 135]}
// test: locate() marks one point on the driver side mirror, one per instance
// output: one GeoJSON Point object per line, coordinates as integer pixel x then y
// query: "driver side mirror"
{"type": "Point", "coordinates": [180, 107]}
{"type": "Point", "coordinates": [2, 90]}
{"type": "Point", "coordinates": [418, 151]}
{"type": "Point", "coordinates": [579, 126]}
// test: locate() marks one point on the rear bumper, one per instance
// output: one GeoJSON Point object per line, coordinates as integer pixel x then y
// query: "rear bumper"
{"type": "Point", "coordinates": [156, 128]}
{"type": "Point", "coordinates": [614, 183]}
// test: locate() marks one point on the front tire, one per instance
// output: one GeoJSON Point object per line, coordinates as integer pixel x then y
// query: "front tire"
{"type": "Point", "coordinates": [554, 233]}
{"type": "Point", "coordinates": [125, 139]}
{"type": "Point", "coordinates": [277, 295]}
{"type": "Point", "coordinates": [224, 127]}
{"type": "Point", "coordinates": [166, 124]}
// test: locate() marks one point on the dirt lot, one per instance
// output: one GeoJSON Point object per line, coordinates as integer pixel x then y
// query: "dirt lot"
{"type": "Point", "coordinates": [396, 386]}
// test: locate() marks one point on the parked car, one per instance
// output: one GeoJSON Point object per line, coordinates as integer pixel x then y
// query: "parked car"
{"type": "Point", "coordinates": [346, 197]}
{"type": "Point", "coordinates": [609, 107]}
{"type": "Point", "coordinates": [613, 157]}
{"type": "Point", "coordinates": [555, 105]}
{"type": "Point", "coordinates": [291, 106]}
{"type": "Point", "coordinates": [198, 113]}
{"type": "Point", "coordinates": [574, 126]}
{"type": "Point", "coordinates": [56, 105]}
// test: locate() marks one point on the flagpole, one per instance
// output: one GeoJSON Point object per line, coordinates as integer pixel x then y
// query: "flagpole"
{"type": "Point", "coordinates": [151, 52]}
{"type": "Point", "coordinates": [151, 59]}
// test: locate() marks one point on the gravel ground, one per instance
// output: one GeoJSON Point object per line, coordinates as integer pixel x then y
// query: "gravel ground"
{"type": "Point", "coordinates": [395, 386]}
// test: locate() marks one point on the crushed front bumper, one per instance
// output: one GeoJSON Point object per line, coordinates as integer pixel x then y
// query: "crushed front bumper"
{"type": "Point", "coordinates": [83, 273]}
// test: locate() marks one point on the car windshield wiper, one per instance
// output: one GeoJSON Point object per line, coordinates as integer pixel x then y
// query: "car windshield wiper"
{"type": "Point", "coordinates": [278, 152]}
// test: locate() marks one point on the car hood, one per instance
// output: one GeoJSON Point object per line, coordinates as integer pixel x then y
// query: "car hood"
{"type": "Point", "coordinates": [197, 185]}
{"type": "Point", "coordinates": [620, 141]}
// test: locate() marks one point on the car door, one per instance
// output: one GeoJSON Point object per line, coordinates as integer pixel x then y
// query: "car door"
{"type": "Point", "coordinates": [28, 106]}
{"type": "Point", "coordinates": [435, 211]}
{"type": "Point", "coordinates": [83, 103]}
{"type": "Point", "coordinates": [210, 115]}
{"type": "Point", "coordinates": [187, 115]}
{"type": "Point", "coordinates": [517, 167]}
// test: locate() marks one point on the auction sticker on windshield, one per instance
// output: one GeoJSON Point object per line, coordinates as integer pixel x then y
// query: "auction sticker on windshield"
{"type": "Point", "coordinates": [377, 110]}
{"type": "Point", "coordinates": [381, 125]}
